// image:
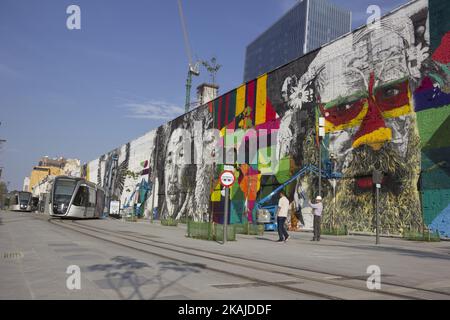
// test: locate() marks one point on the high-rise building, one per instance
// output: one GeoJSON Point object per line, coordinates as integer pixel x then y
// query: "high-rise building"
{"type": "Point", "coordinates": [305, 27]}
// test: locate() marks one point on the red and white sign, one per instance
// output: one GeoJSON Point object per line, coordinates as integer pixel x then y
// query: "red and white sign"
{"type": "Point", "coordinates": [227, 178]}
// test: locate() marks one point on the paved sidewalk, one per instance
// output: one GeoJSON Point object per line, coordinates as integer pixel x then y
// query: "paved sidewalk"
{"type": "Point", "coordinates": [413, 263]}
{"type": "Point", "coordinates": [47, 249]}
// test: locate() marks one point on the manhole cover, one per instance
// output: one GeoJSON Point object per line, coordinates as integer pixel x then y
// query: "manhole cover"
{"type": "Point", "coordinates": [13, 255]}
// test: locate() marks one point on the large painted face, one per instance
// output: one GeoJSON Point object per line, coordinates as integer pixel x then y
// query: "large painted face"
{"type": "Point", "coordinates": [367, 106]}
{"type": "Point", "coordinates": [175, 172]}
{"type": "Point", "coordinates": [362, 86]}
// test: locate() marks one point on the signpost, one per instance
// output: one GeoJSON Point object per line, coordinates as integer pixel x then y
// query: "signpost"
{"type": "Point", "coordinates": [226, 180]}
{"type": "Point", "coordinates": [377, 178]}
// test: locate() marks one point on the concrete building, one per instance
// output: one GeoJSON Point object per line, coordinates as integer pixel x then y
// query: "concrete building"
{"type": "Point", "coordinates": [305, 27]}
{"type": "Point", "coordinates": [26, 184]}
{"type": "Point", "coordinates": [39, 173]}
{"type": "Point", "coordinates": [53, 167]}
{"type": "Point", "coordinates": [206, 92]}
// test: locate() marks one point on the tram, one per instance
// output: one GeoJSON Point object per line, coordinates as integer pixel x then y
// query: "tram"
{"type": "Point", "coordinates": [19, 201]}
{"type": "Point", "coordinates": [76, 198]}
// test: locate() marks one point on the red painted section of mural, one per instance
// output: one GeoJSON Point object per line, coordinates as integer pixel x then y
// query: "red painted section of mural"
{"type": "Point", "coordinates": [219, 114]}
{"type": "Point", "coordinates": [270, 112]}
{"type": "Point", "coordinates": [343, 113]}
{"type": "Point", "coordinates": [373, 119]}
{"type": "Point", "coordinates": [210, 107]}
{"type": "Point", "coordinates": [442, 53]}
{"type": "Point", "coordinates": [392, 96]}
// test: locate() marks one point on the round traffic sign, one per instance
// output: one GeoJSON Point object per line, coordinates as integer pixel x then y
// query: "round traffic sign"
{"type": "Point", "coordinates": [227, 178]}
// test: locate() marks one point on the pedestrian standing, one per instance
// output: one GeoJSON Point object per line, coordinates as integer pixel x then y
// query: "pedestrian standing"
{"type": "Point", "coordinates": [317, 212]}
{"type": "Point", "coordinates": [282, 212]}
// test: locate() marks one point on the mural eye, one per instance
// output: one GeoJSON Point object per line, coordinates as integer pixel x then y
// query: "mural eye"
{"type": "Point", "coordinates": [391, 92]}
{"type": "Point", "coordinates": [344, 107]}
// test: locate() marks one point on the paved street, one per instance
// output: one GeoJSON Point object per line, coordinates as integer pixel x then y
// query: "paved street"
{"type": "Point", "coordinates": [126, 260]}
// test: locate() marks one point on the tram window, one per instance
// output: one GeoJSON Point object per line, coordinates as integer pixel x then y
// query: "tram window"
{"type": "Point", "coordinates": [92, 197]}
{"type": "Point", "coordinates": [82, 197]}
{"type": "Point", "coordinates": [100, 202]}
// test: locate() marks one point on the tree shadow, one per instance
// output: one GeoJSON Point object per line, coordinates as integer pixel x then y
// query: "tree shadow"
{"type": "Point", "coordinates": [122, 274]}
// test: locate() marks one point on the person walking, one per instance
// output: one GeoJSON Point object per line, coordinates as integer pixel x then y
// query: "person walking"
{"type": "Point", "coordinates": [317, 212]}
{"type": "Point", "coordinates": [282, 212]}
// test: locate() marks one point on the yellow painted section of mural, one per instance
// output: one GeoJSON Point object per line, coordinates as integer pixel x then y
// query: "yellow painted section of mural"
{"type": "Point", "coordinates": [240, 100]}
{"type": "Point", "coordinates": [261, 100]}
{"type": "Point", "coordinates": [215, 195]}
{"type": "Point", "coordinates": [375, 139]}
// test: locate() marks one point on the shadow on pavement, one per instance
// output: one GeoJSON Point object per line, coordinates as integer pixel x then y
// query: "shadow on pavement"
{"type": "Point", "coordinates": [122, 274]}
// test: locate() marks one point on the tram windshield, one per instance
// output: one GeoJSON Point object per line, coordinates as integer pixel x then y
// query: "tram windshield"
{"type": "Point", "coordinates": [24, 198]}
{"type": "Point", "coordinates": [62, 194]}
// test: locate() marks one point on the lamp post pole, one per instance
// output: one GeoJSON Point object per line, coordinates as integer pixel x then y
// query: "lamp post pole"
{"type": "Point", "coordinates": [378, 214]}
{"type": "Point", "coordinates": [321, 135]}
{"type": "Point", "coordinates": [377, 178]}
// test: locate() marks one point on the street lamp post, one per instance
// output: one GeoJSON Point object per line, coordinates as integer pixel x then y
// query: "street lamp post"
{"type": "Point", "coordinates": [334, 184]}
{"type": "Point", "coordinates": [377, 178]}
{"type": "Point", "coordinates": [321, 135]}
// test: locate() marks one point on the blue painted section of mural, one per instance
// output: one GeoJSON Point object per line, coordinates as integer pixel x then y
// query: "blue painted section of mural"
{"type": "Point", "coordinates": [441, 223]}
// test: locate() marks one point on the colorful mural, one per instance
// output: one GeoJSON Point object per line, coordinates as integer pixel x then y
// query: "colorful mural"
{"type": "Point", "coordinates": [384, 92]}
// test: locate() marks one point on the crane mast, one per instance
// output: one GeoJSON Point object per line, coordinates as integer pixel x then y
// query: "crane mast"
{"type": "Point", "coordinates": [193, 68]}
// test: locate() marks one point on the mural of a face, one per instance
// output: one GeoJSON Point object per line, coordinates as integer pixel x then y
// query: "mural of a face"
{"type": "Point", "coordinates": [365, 97]}
{"type": "Point", "coordinates": [204, 174]}
{"type": "Point", "coordinates": [175, 173]}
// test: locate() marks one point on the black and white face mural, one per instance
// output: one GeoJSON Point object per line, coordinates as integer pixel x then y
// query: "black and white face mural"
{"type": "Point", "coordinates": [178, 175]}
{"type": "Point", "coordinates": [112, 170]}
{"type": "Point", "coordinates": [184, 184]}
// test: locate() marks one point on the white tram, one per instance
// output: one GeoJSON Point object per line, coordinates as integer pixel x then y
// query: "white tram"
{"type": "Point", "coordinates": [19, 201]}
{"type": "Point", "coordinates": [77, 198]}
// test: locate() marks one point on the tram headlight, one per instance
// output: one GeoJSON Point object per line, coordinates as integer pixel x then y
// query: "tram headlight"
{"type": "Point", "coordinates": [62, 208]}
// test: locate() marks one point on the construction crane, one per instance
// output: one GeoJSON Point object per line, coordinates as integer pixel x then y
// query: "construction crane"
{"type": "Point", "coordinates": [193, 67]}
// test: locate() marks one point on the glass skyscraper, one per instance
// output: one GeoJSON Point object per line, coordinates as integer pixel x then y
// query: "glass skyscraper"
{"type": "Point", "coordinates": [305, 27]}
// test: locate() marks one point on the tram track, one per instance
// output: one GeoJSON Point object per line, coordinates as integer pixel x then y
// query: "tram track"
{"type": "Point", "coordinates": [278, 266]}
{"type": "Point", "coordinates": [248, 263]}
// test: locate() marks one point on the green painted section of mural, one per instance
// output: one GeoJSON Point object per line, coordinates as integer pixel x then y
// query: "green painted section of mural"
{"type": "Point", "coordinates": [439, 21]}
{"type": "Point", "coordinates": [434, 127]}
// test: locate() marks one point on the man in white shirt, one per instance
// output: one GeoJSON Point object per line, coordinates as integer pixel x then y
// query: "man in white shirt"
{"type": "Point", "coordinates": [317, 212]}
{"type": "Point", "coordinates": [282, 213]}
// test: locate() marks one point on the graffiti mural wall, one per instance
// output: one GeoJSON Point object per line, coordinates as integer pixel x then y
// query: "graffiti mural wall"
{"type": "Point", "coordinates": [384, 92]}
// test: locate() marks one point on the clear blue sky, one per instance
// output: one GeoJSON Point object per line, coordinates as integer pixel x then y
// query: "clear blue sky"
{"type": "Point", "coordinates": [81, 93]}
